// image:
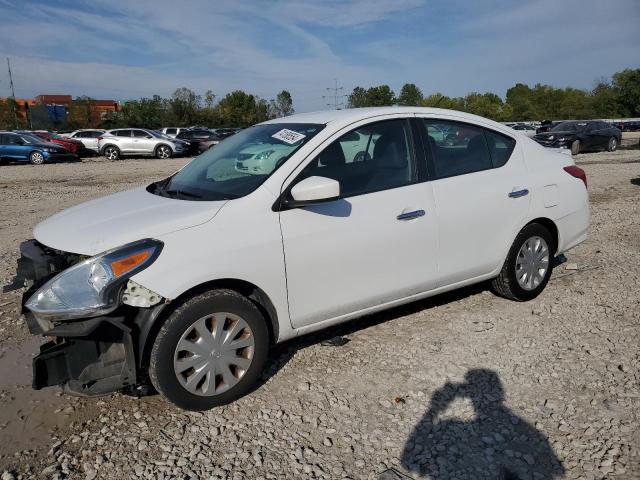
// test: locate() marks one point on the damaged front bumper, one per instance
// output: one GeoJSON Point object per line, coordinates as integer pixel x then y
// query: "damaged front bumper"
{"type": "Point", "coordinates": [91, 356]}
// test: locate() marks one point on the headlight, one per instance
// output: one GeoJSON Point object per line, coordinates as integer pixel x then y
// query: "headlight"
{"type": "Point", "coordinates": [562, 139]}
{"type": "Point", "coordinates": [92, 287]}
{"type": "Point", "coordinates": [263, 155]}
{"type": "Point", "coordinates": [50, 150]}
{"type": "Point", "coordinates": [550, 137]}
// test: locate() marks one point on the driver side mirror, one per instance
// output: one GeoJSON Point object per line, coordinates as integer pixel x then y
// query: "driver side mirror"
{"type": "Point", "coordinates": [314, 190]}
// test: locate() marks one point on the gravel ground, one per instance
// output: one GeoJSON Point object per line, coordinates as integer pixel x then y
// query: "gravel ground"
{"type": "Point", "coordinates": [465, 382]}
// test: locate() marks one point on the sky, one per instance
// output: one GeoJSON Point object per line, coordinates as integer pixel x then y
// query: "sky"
{"type": "Point", "coordinates": [124, 49]}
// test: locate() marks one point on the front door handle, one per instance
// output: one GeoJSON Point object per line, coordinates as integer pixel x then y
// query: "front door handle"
{"type": "Point", "coordinates": [519, 193]}
{"type": "Point", "coordinates": [411, 215]}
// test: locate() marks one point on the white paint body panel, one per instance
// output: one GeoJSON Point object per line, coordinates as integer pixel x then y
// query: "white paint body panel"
{"type": "Point", "coordinates": [325, 264]}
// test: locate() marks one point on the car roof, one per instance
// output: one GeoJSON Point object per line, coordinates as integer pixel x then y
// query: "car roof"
{"type": "Point", "coordinates": [351, 115]}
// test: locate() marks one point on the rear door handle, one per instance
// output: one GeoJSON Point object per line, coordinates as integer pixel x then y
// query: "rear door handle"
{"type": "Point", "coordinates": [411, 215]}
{"type": "Point", "coordinates": [519, 193]}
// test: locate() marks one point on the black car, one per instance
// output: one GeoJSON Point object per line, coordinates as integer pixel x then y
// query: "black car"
{"type": "Point", "coordinates": [581, 136]}
{"type": "Point", "coordinates": [194, 137]}
{"type": "Point", "coordinates": [226, 132]}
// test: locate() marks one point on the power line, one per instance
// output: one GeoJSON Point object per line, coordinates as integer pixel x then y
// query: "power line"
{"type": "Point", "coordinates": [337, 103]}
{"type": "Point", "coordinates": [13, 94]}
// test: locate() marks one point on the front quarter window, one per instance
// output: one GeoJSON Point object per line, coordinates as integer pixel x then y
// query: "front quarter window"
{"type": "Point", "coordinates": [239, 165]}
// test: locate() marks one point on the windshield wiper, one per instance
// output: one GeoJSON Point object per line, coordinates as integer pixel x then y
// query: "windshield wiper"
{"type": "Point", "coordinates": [176, 192]}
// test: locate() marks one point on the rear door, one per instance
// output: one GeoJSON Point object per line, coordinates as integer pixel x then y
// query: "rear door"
{"type": "Point", "coordinates": [482, 196]}
{"type": "Point", "coordinates": [377, 243]}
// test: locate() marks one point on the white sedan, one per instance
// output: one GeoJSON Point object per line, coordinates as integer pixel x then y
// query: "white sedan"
{"type": "Point", "coordinates": [187, 282]}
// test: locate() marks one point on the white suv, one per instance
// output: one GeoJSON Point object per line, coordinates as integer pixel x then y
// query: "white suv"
{"type": "Point", "coordinates": [187, 282]}
{"type": "Point", "coordinates": [88, 137]}
{"type": "Point", "coordinates": [138, 141]}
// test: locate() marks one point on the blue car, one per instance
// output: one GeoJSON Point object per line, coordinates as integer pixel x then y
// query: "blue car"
{"type": "Point", "coordinates": [23, 147]}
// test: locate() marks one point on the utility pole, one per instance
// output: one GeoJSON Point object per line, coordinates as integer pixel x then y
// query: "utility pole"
{"type": "Point", "coordinates": [337, 103]}
{"type": "Point", "coordinates": [13, 94]}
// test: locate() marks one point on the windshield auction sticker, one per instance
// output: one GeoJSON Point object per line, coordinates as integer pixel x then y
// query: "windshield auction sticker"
{"type": "Point", "coordinates": [288, 136]}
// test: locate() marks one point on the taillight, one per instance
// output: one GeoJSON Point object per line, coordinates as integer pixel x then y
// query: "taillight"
{"type": "Point", "coordinates": [577, 172]}
{"type": "Point", "coordinates": [99, 138]}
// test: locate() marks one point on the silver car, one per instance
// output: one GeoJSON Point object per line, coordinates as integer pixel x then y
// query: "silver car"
{"type": "Point", "coordinates": [88, 137]}
{"type": "Point", "coordinates": [113, 144]}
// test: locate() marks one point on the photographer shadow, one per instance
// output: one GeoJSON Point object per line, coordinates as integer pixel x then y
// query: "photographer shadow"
{"type": "Point", "coordinates": [496, 444]}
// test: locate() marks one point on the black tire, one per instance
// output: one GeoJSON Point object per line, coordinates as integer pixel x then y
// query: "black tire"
{"type": "Point", "coordinates": [163, 152]}
{"type": "Point", "coordinates": [575, 147]}
{"type": "Point", "coordinates": [161, 368]}
{"type": "Point", "coordinates": [612, 145]}
{"type": "Point", "coordinates": [506, 285]}
{"type": "Point", "coordinates": [36, 158]}
{"type": "Point", "coordinates": [111, 152]}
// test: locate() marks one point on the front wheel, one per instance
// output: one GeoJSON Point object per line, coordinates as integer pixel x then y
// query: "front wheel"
{"type": "Point", "coordinates": [528, 266]}
{"type": "Point", "coordinates": [575, 147]}
{"type": "Point", "coordinates": [210, 351]}
{"type": "Point", "coordinates": [163, 152]}
{"type": "Point", "coordinates": [612, 145]}
{"type": "Point", "coordinates": [36, 158]}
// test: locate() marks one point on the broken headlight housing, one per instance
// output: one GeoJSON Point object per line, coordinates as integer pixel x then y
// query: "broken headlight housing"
{"type": "Point", "coordinates": [92, 287]}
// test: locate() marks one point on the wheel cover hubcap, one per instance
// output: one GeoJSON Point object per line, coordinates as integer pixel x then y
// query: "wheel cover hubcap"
{"type": "Point", "coordinates": [164, 152]}
{"type": "Point", "coordinates": [37, 157]}
{"type": "Point", "coordinates": [532, 263]}
{"type": "Point", "coordinates": [213, 354]}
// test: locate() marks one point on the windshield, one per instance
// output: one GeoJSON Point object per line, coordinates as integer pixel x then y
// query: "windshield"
{"type": "Point", "coordinates": [569, 127]}
{"type": "Point", "coordinates": [239, 165]}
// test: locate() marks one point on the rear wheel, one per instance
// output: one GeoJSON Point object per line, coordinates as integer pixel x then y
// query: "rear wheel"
{"type": "Point", "coordinates": [612, 145]}
{"type": "Point", "coordinates": [163, 151]}
{"type": "Point", "coordinates": [112, 153]}
{"type": "Point", "coordinates": [210, 351]}
{"type": "Point", "coordinates": [36, 158]}
{"type": "Point", "coordinates": [528, 266]}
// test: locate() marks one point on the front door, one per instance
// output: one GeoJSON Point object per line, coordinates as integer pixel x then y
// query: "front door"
{"type": "Point", "coordinates": [377, 243]}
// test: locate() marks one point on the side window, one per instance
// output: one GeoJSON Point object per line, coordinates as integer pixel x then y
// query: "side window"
{"type": "Point", "coordinates": [10, 139]}
{"type": "Point", "coordinates": [3, 139]}
{"type": "Point", "coordinates": [368, 159]}
{"type": "Point", "coordinates": [94, 134]}
{"type": "Point", "coordinates": [457, 148]}
{"type": "Point", "coordinates": [500, 147]}
{"type": "Point", "coordinates": [171, 131]}
{"type": "Point", "coordinates": [140, 134]}
{"type": "Point", "coordinates": [122, 133]}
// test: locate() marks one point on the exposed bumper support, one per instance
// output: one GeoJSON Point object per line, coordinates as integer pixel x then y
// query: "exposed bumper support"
{"type": "Point", "coordinates": [90, 357]}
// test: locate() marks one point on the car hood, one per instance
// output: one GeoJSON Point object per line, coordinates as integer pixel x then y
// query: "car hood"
{"type": "Point", "coordinates": [108, 222]}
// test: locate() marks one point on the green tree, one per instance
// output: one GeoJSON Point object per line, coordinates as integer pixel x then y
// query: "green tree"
{"type": "Point", "coordinates": [604, 100]}
{"type": "Point", "coordinates": [240, 109]}
{"type": "Point", "coordinates": [520, 102]}
{"type": "Point", "coordinates": [438, 100]}
{"type": "Point", "coordinates": [484, 104]}
{"type": "Point", "coordinates": [410, 95]}
{"type": "Point", "coordinates": [379, 96]}
{"type": "Point", "coordinates": [185, 104]}
{"type": "Point", "coordinates": [358, 98]}
{"type": "Point", "coordinates": [282, 106]}
{"type": "Point", "coordinates": [627, 86]}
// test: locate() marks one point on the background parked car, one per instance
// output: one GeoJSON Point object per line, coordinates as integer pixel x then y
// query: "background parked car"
{"type": "Point", "coordinates": [71, 145]}
{"type": "Point", "coordinates": [199, 140]}
{"type": "Point", "coordinates": [23, 147]}
{"type": "Point", "coordinates": [226, 132]}
{"type": "Point", "coordinates": [88, 137]}
{"type": "Point", "coordinates": [528, 130]}
{"type": "Point", "coordinates": [173, 131]}
{"type": "Point", "coordinates": [547, 125]}
{"type": "Point", "coordinates": [139, 141]}
{"type": "Point", "coordinates": [581, 136]}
